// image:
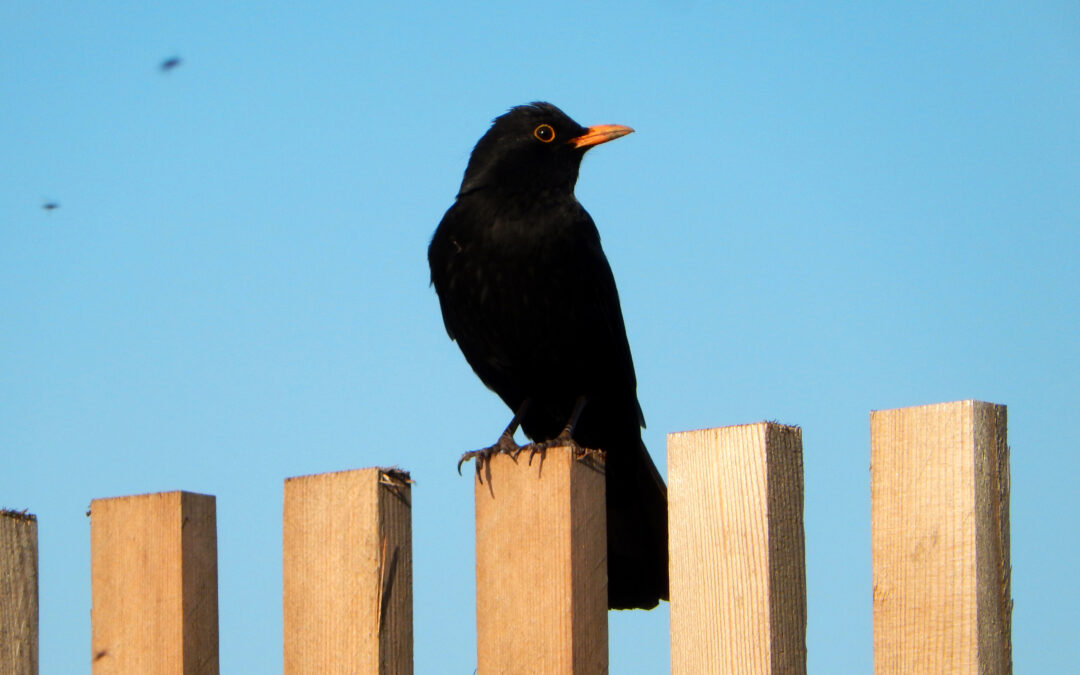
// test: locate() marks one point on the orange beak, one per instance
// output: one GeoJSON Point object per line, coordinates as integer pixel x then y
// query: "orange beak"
{"type": "Point", "coordinates": [601, 133]}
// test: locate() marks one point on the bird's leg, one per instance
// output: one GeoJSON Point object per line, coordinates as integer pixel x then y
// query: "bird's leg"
{"type": "Point", "coordinates": [565, 437]}
{"type": "Point", "coordinates": [505, 444]}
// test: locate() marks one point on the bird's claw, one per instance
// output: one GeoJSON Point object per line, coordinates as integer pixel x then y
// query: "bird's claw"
{"type": "Point", "coordinates": [537, 449]}
{"type": "Point", "coordinates": [505, 446]}
{"type": "Point", "coordinates": [563, 440]}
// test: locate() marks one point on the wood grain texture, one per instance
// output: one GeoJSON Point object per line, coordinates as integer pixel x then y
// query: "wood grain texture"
{"type": "Point", "coordinates": [153, 569]}
{"type": "Point", "coordinates": [18, 593]}
{"type": "Point", "coordinates": [347, 573]}
{"type": "Point", "coordinates": [541, 566]}
{"type": "Point", "coordinates": [940, 511]}
{"type": "Point", "coordinates": [738, 581]}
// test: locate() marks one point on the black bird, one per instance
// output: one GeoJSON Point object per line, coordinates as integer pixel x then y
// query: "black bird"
{"type": "Point", "coordinates": [50, 205]}
{"type": "Point", "coordinates": [527, 293]}
{"type": "Point", "coordinates": [169, 63]}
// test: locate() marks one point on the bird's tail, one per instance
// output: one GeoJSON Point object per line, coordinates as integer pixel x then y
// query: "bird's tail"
{"type": "Point", "coordinates": [637, 529]}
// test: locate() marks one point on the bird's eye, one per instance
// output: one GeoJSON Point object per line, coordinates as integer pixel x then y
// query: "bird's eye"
{"type": "Point", "coordinates": [544, 133]}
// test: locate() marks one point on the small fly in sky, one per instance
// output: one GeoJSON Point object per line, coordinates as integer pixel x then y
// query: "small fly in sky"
{"type": "Point", "coordinates": [50, 205]}
{"type": "Point", "coordinates": [169, 63]}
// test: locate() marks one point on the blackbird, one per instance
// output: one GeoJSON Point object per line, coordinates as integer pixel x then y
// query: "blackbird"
{"type": "Point", "coordinates": [527, 293]}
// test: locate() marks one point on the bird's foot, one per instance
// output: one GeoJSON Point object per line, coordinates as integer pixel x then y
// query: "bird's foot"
{"type": "Point", "coordinates": [563, 440]}
{"type": "Point", "coordinates": [505, 446]}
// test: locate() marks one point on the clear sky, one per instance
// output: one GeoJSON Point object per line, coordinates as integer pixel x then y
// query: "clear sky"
{"type": "Point", "coordinates": [824, 211]}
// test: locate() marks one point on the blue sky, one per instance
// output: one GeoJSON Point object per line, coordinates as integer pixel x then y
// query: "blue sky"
{"type": "Point", "coordinates": [825, 210]}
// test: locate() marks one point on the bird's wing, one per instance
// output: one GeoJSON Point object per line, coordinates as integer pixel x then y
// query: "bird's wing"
{"type": "Point", "coordinates": [602, 318]}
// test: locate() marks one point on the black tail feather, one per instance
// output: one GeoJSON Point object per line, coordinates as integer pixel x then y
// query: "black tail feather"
{"type": "Point", "coordinates": [637, 530]}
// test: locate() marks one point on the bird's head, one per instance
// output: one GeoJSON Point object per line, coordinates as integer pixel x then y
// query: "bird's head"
{"type": "Point", "coordinates": [533, 147]}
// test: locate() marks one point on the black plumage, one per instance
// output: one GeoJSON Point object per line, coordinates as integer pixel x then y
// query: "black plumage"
{"type": "Point", "coordinates": [527, 293]}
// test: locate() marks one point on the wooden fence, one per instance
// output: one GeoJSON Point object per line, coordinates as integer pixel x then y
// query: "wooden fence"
{"type": "Point", "coordinates": [939, 481]}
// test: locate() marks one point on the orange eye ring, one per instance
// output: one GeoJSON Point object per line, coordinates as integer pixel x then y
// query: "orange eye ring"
{"type": "Point", "coordinates": [544, 133]}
